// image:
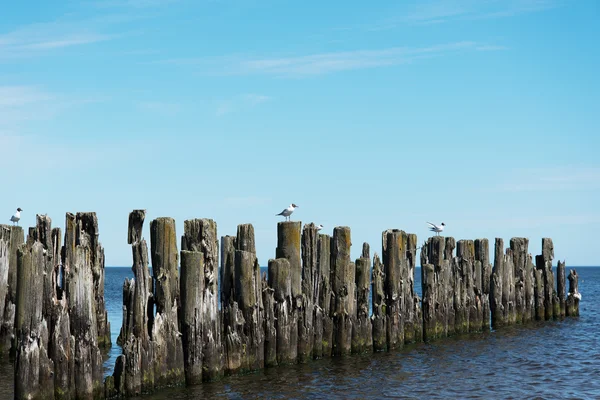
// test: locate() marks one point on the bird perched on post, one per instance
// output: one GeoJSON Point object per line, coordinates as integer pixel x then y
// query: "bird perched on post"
{"type": "Point", "coordinates": [288, 211]}
{"type": "Point", "coordinates": [16, 217]}
{"type": "Point", "coordinates": [437, 228]}
{"type": "Point", "coordinates": [319, 227]}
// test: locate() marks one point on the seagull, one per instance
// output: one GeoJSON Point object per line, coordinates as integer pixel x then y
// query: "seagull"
{"type": "Point", "coordinates": [288, 211]}
{"type": "Point", "coordinates": [437, 228]}
{"type": "Point", "coordinates": [319, 227]}
{"type": "Point", "coordinates": [16, 217]}
{"type": "Point", "coordinates": [575, 295]}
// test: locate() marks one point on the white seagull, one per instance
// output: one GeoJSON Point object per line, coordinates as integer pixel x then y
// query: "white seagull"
{"type": "Point", "coordinates": [16, 217]}
{"type": "Point", "coordinates": [319, 227]}
{"type": "Point", "coordinates": [288, 211]}
{"type": "Point", "coordinates": [575, 295]}
{"type": "Point", "coordinates": [437, 228]}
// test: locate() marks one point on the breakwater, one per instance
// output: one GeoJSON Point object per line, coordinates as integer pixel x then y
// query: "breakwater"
{"type": "Point", "coordinates": [313, 303]}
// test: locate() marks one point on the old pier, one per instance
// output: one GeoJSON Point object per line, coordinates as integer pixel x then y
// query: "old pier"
{"type": "Point", "coordinates": [203, 312]}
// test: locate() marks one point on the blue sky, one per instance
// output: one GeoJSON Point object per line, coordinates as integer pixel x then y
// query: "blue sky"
{"type": "Point", "coordinates": [482, 114]}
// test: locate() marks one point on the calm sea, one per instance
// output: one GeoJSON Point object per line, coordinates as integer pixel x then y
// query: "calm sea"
{"type": "Point", "coordinates": [551, 360]}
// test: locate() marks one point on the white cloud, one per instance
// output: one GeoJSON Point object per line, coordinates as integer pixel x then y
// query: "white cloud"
{"type": "Point", "coordinates": [18, 96]}
{"type": "Point", "coordinates": [133, 3]}
{"type": "Point", "coordinates": [240, 102]}
{"type": "Point", "coordinates": [441, 11]}
{"type": "Point", "coordinates": [33, 39]}
{"type": "Point", "coordinates": [160, 107]}
{"type": "Point", "coordinates": [554, 179]}
{"type": "Point", "coordinates": [325, 63]}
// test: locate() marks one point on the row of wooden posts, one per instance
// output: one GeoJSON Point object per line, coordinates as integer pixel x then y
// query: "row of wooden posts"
{"type": "Point", "coordinates": [218, 316]}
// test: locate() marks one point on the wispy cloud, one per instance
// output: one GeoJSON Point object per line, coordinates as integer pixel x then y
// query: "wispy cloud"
{"type": "Point", "coordinates": [240, 102]}
{"type": "Point", "coordinates": [160, 107]}
{"type": "Point", "coordinates": [441, 11]}
{"type": "Point", "coordinates": [324, 63]}
{"type": "Point", "coordinates": [22, 104]}
{"type": "Point", "coordinates": [133, 3]}
{"type": "Point", "coordinates": [33, 39]}
{"type": "Point", "coordinates": [513, 222]}
{"type": "Point", "coordinates": [554, 179]}
{"type": "Point", "coordinates": [18, 96]}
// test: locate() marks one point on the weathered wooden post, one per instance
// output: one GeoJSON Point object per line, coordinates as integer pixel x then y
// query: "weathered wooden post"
{"type": "Point", "coordinates": [61, 342]}
{"type": "Point", "coordinates": [428, 289]}
{"type": "Point", "coordinates": [529, 289]}
{"type": "Point", "coordinates": [573, 298]}
{"type": "Point", "coordinates": [413, 324]}
{"type": "Point", "coordinates": [324, 329]}
{"type": "Point", "coordinates": [288, 247]}
{"type": "Point", "coordinates": [11, 237]}
{"type": "Point", "coordinates": [166, 338]}
{"type": "Point", "coordinates": [33, 367]}
{"type": "Point", "coordinates": [227, 269]}
{"type": "Point", "coordinates": [269, 323]}
{"type": "Point", "coordinates": [379, 316]}
{"type": "Point", "coordinates": [472, 275]}
{"type": "Point", "coordinates": [502, 288]}
{"type": "Point", "coordinates": [134, 369]}
{"type": "Point", "coordinates": [544, 264]}
{"type": "Point", "coordinates": [463, 285]}
{"type": "Point", "coordinates": [343, 271]}
{"type": "Point", "coordinates": [437, 281]}
{"type": "Point", "coordinates": [362, 337]}
{"type": "Point", "coordinates": [482, 263]}
{"type": "Point", "coordinates": [248, 294]}
{"type": "Point", "coordinates": [200, 235]}
{"type": "Point", "coordinates": [233, 320]}
{"type": "Point", "coordinates": [83, 264]}
{"type": "Point", "coordinates": [309, 271]}
{"type": "Point", "coordinates": [448, 279]}
{"type": "Point", "coordinates": [394, 262]}
{"type": "Point", "coordinates": [280, 280]}
{"type": "Point", "coordinates": [192, 307]}
{"type": "Point", "coordinates": [561, 287]}
{"type": "Point", "coordinates": [518, 252]}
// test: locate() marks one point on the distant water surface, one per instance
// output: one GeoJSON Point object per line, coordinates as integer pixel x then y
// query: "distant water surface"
{"type": "Point", "coordinates": [551, 360]}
